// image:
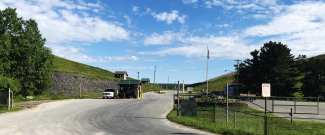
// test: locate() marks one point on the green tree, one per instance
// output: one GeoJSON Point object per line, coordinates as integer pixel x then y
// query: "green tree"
{"type": "Point", "coordinates": [314, 79]}
{"type": "Point", "coordinates": [27, 59]}
{"type": "Point", "coordinates": [272, 64]}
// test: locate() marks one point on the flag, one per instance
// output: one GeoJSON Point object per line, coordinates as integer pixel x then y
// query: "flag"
{"type": "Point", "coordinates": [208, 54]}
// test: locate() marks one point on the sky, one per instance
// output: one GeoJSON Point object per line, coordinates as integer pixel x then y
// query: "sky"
{"type": "Point", "coordinates": [173, 35]}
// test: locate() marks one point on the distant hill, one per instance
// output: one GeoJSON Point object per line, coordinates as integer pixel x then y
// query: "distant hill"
{"type": "Point", "coordinates": [217, 83]}
{"type": "Point", "coordinates": [67, 66]}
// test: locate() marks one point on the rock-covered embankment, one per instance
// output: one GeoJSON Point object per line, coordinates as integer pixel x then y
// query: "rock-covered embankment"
{"type": "Point", "coordinates": [70, 83]}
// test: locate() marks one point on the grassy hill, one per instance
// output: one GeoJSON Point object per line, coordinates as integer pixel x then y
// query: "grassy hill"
{"type": "Point", "coordinates": [67, 66]}
{"type": "Point", "coordinates": [150, 87]}
{"type": "Point", "coordinates": [217, 83]}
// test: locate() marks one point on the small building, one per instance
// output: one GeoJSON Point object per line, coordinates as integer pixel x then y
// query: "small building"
{"type": "Point", "coordinates": [129, 88]}
{"type": "Point", "coordinates": [145, 80]}
{"type": "Point", "coordinates": [121, 74]}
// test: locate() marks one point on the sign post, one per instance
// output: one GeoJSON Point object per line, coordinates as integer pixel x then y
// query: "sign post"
{"type": "Point", "coordinates": [266, 92]}
{"type": "Point", "coordinates": [189, 108]}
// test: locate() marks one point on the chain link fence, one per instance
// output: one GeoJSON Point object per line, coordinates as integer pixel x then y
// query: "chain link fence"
{"type": "Point", "coordinates": [252, 121]}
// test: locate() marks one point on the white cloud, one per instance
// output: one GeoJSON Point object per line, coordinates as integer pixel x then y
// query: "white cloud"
{"type": "Point", "coordinates": [58, 23]}
{"type": "Point", "coordinates": [167, 38]}
{"type": "Point", "coordinates": [169, 17]}
{"type": "Point", "coordinates": [135, 9]}
{"type": "Point", "coordinates": [300, 26]}
{"type": "Point", "coordinates": [96, 10]}
{"type": "Point", "coordinates": [223, 25]}
{"type": "Point", "coordinates": [128, 20]}
{"type": "Point", "coordinates": [189, 1]}
{"type": "Point", "coordinates": [259, 16]}
{"type": "Point", "coordinates": [77, 54]}
{"type": "Point", "coordinates": [225, 47]}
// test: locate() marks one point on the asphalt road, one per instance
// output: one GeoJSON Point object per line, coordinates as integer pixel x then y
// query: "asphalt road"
{"type": "Point", "coordinates": [96, 116]}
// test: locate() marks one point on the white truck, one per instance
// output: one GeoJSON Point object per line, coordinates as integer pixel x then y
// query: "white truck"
{"type": "Point", "coordinates": [110, 93]}
{"type": "Point", "coordinates": [241, 94]}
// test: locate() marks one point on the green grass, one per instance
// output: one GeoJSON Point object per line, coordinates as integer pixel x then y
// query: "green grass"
{"type": "Point", "coordinates": [246, 124]}
{"type": "Point", "coordinates": [67, 66]}
{"type": "Point", "coordinates": [4, 109]}
{"type": "Point", "coordinates": [151, 87]}
{"type": "Point", "coordinates": [56, 97]}
{"type": "Point", "coordinates": [216, 85]}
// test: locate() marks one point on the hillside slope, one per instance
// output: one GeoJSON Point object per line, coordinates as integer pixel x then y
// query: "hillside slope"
{"type": "Point", "coordinates": [67, 66]}
{"type": "Point", "coordinates": [217, 83]}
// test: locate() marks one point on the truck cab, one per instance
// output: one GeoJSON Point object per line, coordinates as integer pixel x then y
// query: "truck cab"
{"type": "Point", "coordinates": [110, 93]}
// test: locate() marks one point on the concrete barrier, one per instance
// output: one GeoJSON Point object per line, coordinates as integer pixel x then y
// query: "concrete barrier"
{"type": "Point", "coordinates": [29, 97]}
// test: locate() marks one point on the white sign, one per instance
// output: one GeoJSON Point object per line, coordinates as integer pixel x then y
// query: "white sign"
{"type": "Point", "coordinates": [266, 89]}
{"type": "Point", "coordinates": [189, 88]}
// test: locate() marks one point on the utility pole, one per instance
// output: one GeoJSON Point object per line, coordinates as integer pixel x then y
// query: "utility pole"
{"type": "Point", "coordinates": [237, 74]}
{"type": "Point", "coordinates": [154, 76]}
{"type": "Point", "coordinates": [138, 75]}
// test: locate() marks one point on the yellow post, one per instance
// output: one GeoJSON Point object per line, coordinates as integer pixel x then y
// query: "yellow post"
{"type": "Point", "coordinates": [117, 94]}
{"type": "Point", "coordinates": [141, 94]}
{"type": "Point", "coordinates": [138, 95]}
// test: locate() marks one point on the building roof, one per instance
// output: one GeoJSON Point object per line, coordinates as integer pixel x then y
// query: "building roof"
{"type": "Point", "coordinates": [121, 72]}
{"type": "Point", "coordinates": [129, 82]}
{"type": "Point", "coordinates": [145, 79]}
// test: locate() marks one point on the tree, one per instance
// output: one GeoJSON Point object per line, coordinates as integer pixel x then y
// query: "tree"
{"type": "Point", "coordinates": [26, 58]}
{"type": "Point", "coordinates": [314, 79]}
{"type": "Point", "coordinates": [272, 64]}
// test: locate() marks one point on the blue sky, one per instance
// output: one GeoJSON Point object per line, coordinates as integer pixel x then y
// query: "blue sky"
{"type": "Point", "coordinates": [137, 35]}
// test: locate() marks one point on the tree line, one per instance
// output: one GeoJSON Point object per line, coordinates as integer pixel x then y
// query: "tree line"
{"type": "Point", "coordinates": [25, 63]}
{"type": "Point", "coordinates": [275, 64]}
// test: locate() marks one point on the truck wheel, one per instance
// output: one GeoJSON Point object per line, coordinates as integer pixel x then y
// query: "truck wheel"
{"type": "Point", "coordinates": [103, 97]}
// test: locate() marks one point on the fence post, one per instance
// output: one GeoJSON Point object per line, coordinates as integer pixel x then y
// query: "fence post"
{"type": "Point", "coordinates": [265, 118]}
{"type": "Point", "coordinates": [227, 104]}
{"type": "Point", "coordinates": [9, 99]}
{"type": "Point", "coordinates": [178, 101]}
{"type": "Point", "coordinates": [294, 106]}
{"type": "Point", "coordinates": [291, 115]}
{"type": "Point", "coordinates": [214, 112]}
{"type": "Point", "coordinates": [12, 99]}
{"type": "Point", "coordinates": [235, 119]}
{"type": "Point", "coordinates": [318, 105]}
{"type": "Point", "coordinates": [272, 104]}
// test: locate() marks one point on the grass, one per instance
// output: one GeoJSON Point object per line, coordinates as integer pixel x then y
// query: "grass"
{"type": "Point", "coordinates": [150, 87]}
{"type": "Point", "coordinates": [17, 99]}
{"type": "Point", "coordinates": [246, 124]}
{"type": "Point", "coordinates": [4, 109]}
{"type": "Point", "coordinates": [56, 97]}
{"type": "Point", "coordinates": [67, 66]}
{"type": "Point", "coordinates": [216, 85]}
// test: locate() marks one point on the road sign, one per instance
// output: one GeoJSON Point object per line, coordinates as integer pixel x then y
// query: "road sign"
{"type": "Point", "coordinates": [189, 90]}
{"type": "Point", "coordinates": [189, 108]}
{"type": "Point", "coordinates": [266, 89]}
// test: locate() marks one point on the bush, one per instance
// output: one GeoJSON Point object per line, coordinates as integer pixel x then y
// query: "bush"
{"type": "Point", "coordinates": [6, 83]}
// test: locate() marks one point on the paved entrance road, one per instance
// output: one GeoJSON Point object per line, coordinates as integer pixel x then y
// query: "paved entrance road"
{"type": "Point", "coordinates": [97, 116]}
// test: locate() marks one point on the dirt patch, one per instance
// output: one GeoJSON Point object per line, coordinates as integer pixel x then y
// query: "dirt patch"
{"type": "Point", "coordinates": [31, 104]}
